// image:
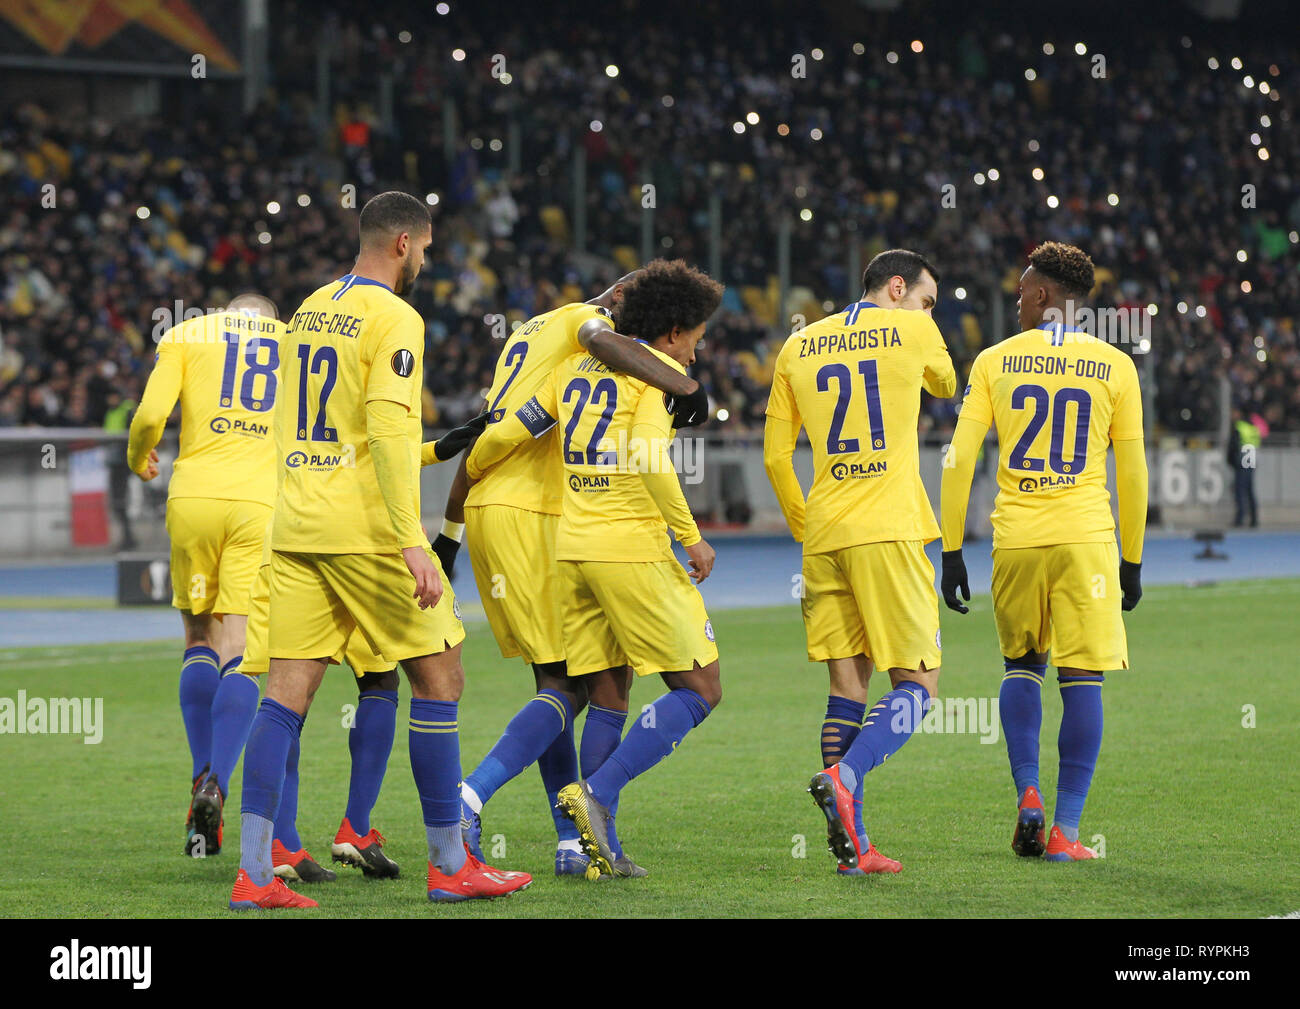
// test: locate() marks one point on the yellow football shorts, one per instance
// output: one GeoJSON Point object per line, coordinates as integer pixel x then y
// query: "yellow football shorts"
{"type": "Point", "coordinates": [513, 555]}
{"type": "Point", "coordinates": [646, 614]}
{"type": "Point", "coordinates": [257, 657]}
{"type": "Point", "coordinates": [1064, 599]}
{"type": "Point", "coordinates": [216, 550]}
{"type": "Point", "coordinates": [873, 599]}
{"type": "Point", "coordinates": [319, 600]}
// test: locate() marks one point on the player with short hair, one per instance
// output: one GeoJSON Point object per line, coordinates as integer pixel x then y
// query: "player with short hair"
{"type": "Point", "coordinates": [1056, 398]}
{"type": "Point", "coordinates": [510, 515]}
{"type": "Point", "coordinates": [348, 550]}
{"type": "Point", "coordinates": [626, 601]}
{"type": "Point", "coordinates": [223, 368]}
{"type": "Point", "coordinates": [370, 737]}
{"type": "Point", "coordinates": [854, 381]}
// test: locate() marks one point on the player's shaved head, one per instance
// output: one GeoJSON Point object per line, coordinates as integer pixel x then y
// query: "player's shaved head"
{"type": "Point", "coordinates": [388, 215]}
{"type": "Point", "coordinates": [614, 293]}
{"type": "Point", "coordinates": [251, 303]}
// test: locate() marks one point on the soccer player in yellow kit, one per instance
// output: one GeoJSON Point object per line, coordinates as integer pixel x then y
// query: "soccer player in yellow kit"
{"type": "Point", "coordinates": [625, 599]}
{"type": "Point", "coordinates": [854, 381]}
{"type": "Point", "coordinates": [1057, 398]}
{"type": "Point", "coordinates": [223, 369]}
{"type": "Point", "coordinates": [511, 515]}
{"type": "Point", "coordinates": [370, 741]}
{"type": "Point", "coordinates": [348, 550]}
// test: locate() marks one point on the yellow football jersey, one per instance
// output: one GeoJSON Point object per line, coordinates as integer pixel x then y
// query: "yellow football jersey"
{"type": "Point", "coordinates": [1057, 398]}
{"type": "Point", "coordinates": [611, 429]}
{"type": "Point", "coordinates": [531, 477]}
{"type": "Point", "coordinates": [223, 367]}
{"type": "Point", "coordinates": [853, 380]}
{"type": "Point", "coordinates": [351, 342]}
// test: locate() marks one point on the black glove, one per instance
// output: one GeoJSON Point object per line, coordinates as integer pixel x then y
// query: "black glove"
{"type": "Point", "coordinates": [454, 441]}
{"type": "Point", "coordinates": [691, 409]}
{"type": "Point", "coordinates": [444, 548]}
{"type": "Point", "coordinates": [954, 578]}
{"type": "Point", "coordinates": [1130, 582]}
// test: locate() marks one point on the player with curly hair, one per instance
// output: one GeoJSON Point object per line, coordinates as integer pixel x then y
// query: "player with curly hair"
{"type": "Point", "coordinates": [1057, 398]}
{"type": "Point", "coordinates": [626, 600]}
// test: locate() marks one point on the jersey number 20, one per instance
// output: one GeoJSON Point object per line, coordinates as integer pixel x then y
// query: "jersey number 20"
{"type": "Point", "coordinates": [1020, 460]}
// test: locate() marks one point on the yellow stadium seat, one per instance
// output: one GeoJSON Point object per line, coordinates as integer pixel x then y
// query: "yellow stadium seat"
{"type": "Point", "coordinates": [555, 223]}
{"type": "Point", "coordinates": [626, 257]}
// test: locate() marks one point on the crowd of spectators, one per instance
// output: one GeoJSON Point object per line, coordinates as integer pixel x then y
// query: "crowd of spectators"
{"type": "Point", "coordinates": [1172, 161]}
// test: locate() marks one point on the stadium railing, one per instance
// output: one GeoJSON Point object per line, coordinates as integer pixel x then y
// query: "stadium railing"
{"type": "Point", "coordinates": [66, 492]}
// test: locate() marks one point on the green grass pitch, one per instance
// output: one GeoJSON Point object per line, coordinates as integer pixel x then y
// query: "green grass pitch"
{"type": "Point", "coordinates": [1194, 806]}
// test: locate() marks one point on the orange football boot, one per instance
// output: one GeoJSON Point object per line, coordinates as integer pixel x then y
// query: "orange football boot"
{"type": "Point", "coordinates": [871, 861]}
{"type": "Point", "coordinates": [1061, 850]}
{"type": "Point", "coordinates": [1029, 840]}
{"type": "Point", "coordinates": [475, 881]}
{"type": "Point", "coordinates": [247, 897]}
{"type": "Point", "coordinates": [836, 803]}
{"type": "Point", "coordinates": [366, 853]}
{"type": "Point", "coordinates": [298, 865]}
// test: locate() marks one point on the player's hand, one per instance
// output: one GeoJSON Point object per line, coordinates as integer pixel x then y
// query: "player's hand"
{"type": "Point", "coordinates": [458, 438]}
{"type": "Point", "coordinates": [445, 548]}
{"type": "Point", "coordinates": [150, 466]}
{"type": "Point", "coordinates": [428, 586]}
{"type": "Point", "coordinates": [954, 578]}
{"type": "Point", "coordinates": [691, 409]}
{"type": "Point", "coordinates": [1130, 582]}
{"type": "Point", "coordinates": [701, 557]}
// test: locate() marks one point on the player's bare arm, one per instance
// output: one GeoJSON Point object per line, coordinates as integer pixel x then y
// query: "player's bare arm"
{"type": "Point", "coordinates": [624, 354]}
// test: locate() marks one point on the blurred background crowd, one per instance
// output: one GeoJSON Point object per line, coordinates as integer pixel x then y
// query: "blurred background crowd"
{"type": "Point", "coordinates": [1175, 168]}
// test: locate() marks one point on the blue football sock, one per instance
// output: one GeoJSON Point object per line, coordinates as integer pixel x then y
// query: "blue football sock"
{"type": "Point", "coordinates": [558, 765]}
{"type": "Point", "coordinates": [275, 728]}
{"type": "Point", "coordinates": [1020, 705]}
{"type": "Point", "coordinates": [1078, 744]}
{"type": "Point", "coordinates": [255, 848]}
{"type": "Point", "coordinates": [370, 741]}
{"type": "Point", "coordinates": [889, 725]}
{"type": "Point", "coordinates": [652, 737]}
{"type": "Point", "coordinates": [286, 819]}
{"type": "Point", "coordinates": [601, 734]}
{"type": "Point", "coordinates": [233, 709]}
{"type": "Point", "coordinates": [199, 678]}
{"type": "Point", "coordinates": [434, 741]}
{"type": "Point", "coordinates": [526, 738]}
{"type": "Point", "coordinates": [840, 727]}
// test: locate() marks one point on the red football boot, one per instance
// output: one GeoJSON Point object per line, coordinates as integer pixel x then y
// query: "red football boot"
{"type": "Point", "coordinates": [475, 881]}
{"type": "Point", "coordinates": [298, 865]}
{"type": "Point", "coordinates": [871, 861]}
{"type": "Point", "coordinates": [836, 802]}
{"type": "Point", "coordinates": [247, 897]}
{"type": "Point", "coordinates": [366, 853]}
{"type": "Point", "coordinates": [1029, 840]}
{"type": "Point", "coordinates": [1061, 850]}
